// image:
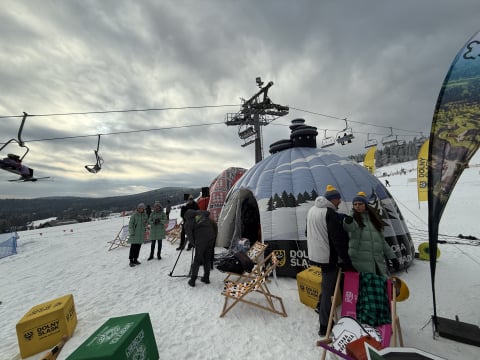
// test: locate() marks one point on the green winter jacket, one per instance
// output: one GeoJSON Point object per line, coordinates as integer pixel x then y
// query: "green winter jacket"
{"type": "Point", "coordinates": [367, 246]}
{"type": "Point", "coordinates": [157, 221]}
{"type": "Point", "coordinates": [137, 227]}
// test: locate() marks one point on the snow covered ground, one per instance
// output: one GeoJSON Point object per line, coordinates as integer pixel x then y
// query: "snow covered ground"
{"type": "Point", "coordinates": [75, 259]}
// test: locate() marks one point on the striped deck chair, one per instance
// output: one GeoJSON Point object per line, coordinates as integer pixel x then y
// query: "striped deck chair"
{"type": "Point", "coordinates": [172, 231]}
{"type": "Point", "coordinates": [389, 333]}
{"type": "Point", "coordinates": [239, 288]}
{"type": "Point", "coordinates": [256, 251]}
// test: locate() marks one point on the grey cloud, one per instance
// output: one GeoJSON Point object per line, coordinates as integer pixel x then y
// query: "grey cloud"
{"type": "Point", "coordinates": [374, 62]}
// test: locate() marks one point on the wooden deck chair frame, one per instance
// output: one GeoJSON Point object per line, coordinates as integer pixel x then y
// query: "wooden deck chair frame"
{"type": "Point", "coordinates": [120, 239]}
{"type": "Point", "coordinates": [238, 287]}
{"type": "Point", "coordinates": [174, 234]}
{"type": "Point", "coordinates": [396, 329]}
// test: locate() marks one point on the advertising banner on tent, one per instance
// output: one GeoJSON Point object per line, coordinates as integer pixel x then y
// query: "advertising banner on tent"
{"type": "Point", "coordinates": [369, 161]}
{"type": "Point", "coordinates": [285, 185]}
{"type": "Point", "coordinates": [422, 172]}
{"type": "Point", "coordinates": [454, 137]}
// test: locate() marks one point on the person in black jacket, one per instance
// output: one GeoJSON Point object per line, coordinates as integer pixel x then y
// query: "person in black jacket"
{"type": "Point", "coordinates": [190, 205]}
{"type": "Point", "coordinates": [201, 230]}
{"type": "Point", "coordinates": [148, 210]}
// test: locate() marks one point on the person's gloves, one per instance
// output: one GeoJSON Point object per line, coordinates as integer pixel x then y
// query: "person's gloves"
{"type": "Point", "coordinates": [348, 219]}
{"type": "Point", "coordinates": [156, 221]}
{"type": "Point", "coordinates": [394, 263]}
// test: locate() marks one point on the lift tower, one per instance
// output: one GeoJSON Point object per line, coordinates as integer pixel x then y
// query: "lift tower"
{"type": "Point", "coordinates": [255, 112]}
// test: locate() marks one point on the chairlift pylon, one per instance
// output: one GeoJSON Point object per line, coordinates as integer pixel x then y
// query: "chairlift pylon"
{"type": "Point", "coordinates": [327, 140]}
{"type": "Point", "coordinates": [370, 142]}
{"type": "Point", "coordinates": [345, 136]}
{"type": "Point", "coordinates": [95, 168]}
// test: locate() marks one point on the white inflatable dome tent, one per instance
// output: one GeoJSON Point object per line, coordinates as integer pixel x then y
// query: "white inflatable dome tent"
{"type": "Point", "coordinates": [282, 188]}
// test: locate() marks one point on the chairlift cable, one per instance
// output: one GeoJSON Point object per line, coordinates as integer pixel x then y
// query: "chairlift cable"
{"type": "Point", "coordinates": [124, 132]}
{"type": "Point", "coordinates": [179, 108]}
{"type": "Point", "coordinates": [121, 111]}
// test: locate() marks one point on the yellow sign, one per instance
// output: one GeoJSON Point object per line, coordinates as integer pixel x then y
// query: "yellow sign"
{"type": "Point", "coordinates": [369, 161]}
{"type": "Point", "coordinates": [422, 172]}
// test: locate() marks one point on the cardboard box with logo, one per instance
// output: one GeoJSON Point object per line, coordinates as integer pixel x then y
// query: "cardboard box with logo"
{"type": "Point", "coordinates": [309, 284]}
{"type": "Point", "coordinates": [43, 326]}
{"type": "Point", "coordinates": [122, 338]}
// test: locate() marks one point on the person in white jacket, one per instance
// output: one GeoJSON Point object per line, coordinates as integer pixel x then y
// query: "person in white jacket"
{"type": "Point", "coordinates": [327, 244]}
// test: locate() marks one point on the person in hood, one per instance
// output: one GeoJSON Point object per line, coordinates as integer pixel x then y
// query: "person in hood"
{"type": "Point", "coordinates": [190, 205]}
{"type": "Point", "coordinates": [202, 231]}
{"type": "Point", "coordinates": [157, 221]}
{"type": "Point", "coordinates": [327, 244]}
{"type": "Point", "coordinates": [136, 229]}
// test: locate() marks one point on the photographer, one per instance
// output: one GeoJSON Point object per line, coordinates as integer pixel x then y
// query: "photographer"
{"type": "Point", "coordinates": [157, 221]}
{"type": "Point", "coordinates": [190, 205]}
{"type": "Point", "coordinates": [201, 232]}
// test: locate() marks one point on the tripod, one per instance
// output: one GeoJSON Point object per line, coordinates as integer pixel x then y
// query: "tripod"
{"type": "Point", "coordinates": [176, 261]}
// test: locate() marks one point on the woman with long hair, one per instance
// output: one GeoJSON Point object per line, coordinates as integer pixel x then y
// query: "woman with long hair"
{"type": "Point", "coordinates": [367, 246]}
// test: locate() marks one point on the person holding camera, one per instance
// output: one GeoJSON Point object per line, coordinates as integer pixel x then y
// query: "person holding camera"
{"type": "Point", "coordinates": [190, 205]}
{"type": "Point", "coordinates": [157, 221]}
{"type": "Point", "coordinates": [201, 232]}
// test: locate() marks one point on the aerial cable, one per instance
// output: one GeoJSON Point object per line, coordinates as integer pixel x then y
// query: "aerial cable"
{"type": "Point", "coordinates": [123, 132]}
{"type": "Point", "coordinates": [121, 111]}
{"type": "Point", "coordinates": [352, 121]}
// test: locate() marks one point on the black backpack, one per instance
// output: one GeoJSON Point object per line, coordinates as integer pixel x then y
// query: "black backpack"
{"type": "Point", "coordinates": [237, 263]}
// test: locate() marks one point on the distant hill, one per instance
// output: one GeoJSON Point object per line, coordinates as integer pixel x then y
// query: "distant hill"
{"type": "Point", "coordinates": [16, 213]}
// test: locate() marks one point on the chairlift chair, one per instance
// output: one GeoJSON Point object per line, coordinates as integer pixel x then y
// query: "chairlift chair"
{"type": "Point", "coordinates": [19, 141]}
{"type": "Point", "coordinates": [247, 134]}
{"type": "Point", "coordinates": [327, 140]}
{"type": "Point", "coordinates": [390, 139]}
{"type": "Point", "coordinates": [345, 136]}
{"type": "Point", "coordinates": [370, 142]}
{"type": "Point", "coordinates": [95, 168]}
{"type": "Point", "coordinates": [13, 163]}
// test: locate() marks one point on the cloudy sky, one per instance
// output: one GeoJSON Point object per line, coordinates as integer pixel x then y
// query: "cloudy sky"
{"type": "Point", "coordinates": [78, 68]}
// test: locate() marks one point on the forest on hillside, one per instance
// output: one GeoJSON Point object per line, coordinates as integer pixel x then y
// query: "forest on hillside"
{"type": "Point", "coordinates": [15, 214]}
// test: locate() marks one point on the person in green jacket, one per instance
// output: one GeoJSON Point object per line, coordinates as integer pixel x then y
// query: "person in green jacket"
{"type": "Point", "coordinates": [367, 246]}
{"type": "Point", "coordinates": [136, 230]}
{"type": "Point", "coordinates": [157, 221]}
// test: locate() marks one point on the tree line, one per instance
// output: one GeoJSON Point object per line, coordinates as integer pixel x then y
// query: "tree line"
{"type": "Point", "coordinates": [15, 214]}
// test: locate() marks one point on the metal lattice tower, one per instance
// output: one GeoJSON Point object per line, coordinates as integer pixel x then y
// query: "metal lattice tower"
{"type": "Point", "coordinates": [256, 112]}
